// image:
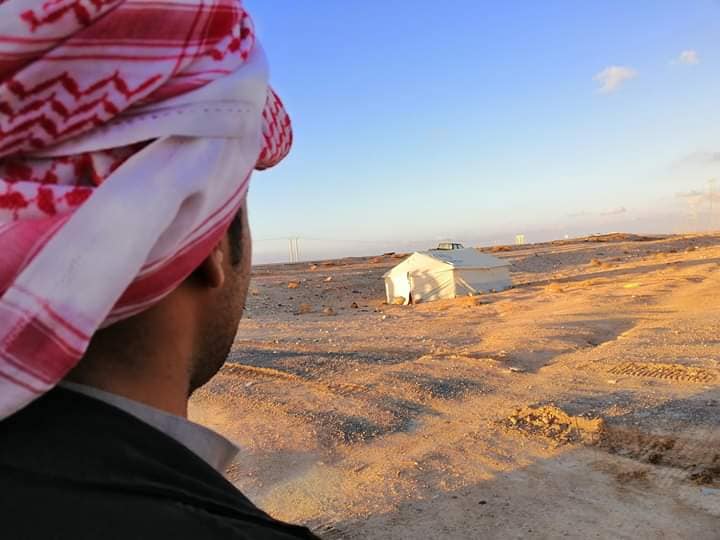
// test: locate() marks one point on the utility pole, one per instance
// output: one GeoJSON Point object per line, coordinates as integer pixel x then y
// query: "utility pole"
{"type": "Point", "coordinates": [294, 249]}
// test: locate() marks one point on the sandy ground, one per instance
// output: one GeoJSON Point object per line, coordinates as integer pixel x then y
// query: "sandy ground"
{"type": "Point", "coordinates": [582, 403]}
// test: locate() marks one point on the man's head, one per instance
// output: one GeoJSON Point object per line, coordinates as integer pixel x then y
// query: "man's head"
{"type": "Point", "coordinates": [187, 336]}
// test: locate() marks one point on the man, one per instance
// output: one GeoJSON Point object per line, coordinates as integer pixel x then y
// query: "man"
{"type": "Point", "coordinates": [128, 131]}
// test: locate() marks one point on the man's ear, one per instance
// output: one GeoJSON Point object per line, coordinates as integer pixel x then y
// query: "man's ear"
{"type": "Point", "coordinates": [212, 269]}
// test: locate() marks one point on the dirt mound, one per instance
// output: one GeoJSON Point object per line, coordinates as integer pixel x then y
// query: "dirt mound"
{"type": "Point", "coordinates": [699, 459]}
{"type": "Point", "coordinates": [619, 237]}
{"type": "Point", "coordinates": [554, 423]}
{"type": "Point", "coordinates": [498, 249]}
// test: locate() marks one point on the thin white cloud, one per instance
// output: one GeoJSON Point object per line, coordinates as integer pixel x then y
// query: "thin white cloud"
{"type": "Point", "coordinates": [703, 158]}
{"type": "Point", "coordinates": [615, 211]}
{"type": "Point", "coordinates": [620, 210]}
{"type": "Point", "coordinates": [612, 77]}
{"type": "Point", "coordinates": [699, 196]}
{"type": "Point", "coordinates": [697, 160]}
{"type": "Point", "coordinates": [689, 57]}
{"type": "Point", "coordinates": [693, 194]}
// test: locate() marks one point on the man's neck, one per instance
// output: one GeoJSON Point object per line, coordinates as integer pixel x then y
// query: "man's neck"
{"type": "Point", "coordinates": [161, 396]}
{"type": "Point", "coordinates": [146, 358]}
{"type": "Point", "coordinates": [157, 382]}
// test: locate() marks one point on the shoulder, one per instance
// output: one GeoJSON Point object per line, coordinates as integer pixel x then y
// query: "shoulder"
{"type": "Point", "coordinates": [74, 467]}
{"type": "Point", "coordinates": [84, 511]}
{"type": "Point", "coordinates": [205, 524]}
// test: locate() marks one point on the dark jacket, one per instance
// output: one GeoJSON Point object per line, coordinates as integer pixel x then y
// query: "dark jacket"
{"type": "Point", "coordinates": [77, 468]}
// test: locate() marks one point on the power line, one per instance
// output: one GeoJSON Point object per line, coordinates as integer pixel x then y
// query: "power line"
{"type": "Point", "coordinates": [271, 239]}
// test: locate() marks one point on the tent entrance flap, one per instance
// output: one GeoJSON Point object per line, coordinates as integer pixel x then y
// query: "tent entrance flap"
{"type": "Point", "coordinates": [397, 286]}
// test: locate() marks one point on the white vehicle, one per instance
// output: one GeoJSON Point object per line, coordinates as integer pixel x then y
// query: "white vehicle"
{"type": "Point", "coordinates": [448, 246]}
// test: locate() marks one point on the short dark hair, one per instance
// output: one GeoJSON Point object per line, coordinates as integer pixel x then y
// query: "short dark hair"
{"type": "Point", "coordinates": [235, 237]}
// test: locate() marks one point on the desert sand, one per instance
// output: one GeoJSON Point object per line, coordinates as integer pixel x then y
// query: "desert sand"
{"type": "Point", "coordinates": [582, 403]}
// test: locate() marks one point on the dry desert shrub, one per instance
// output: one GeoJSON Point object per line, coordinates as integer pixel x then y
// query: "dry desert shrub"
{"type": "Point", "coordinates": [600, 264]}
{"type": "Point", "coordinates": [554, 288]}
{"type": "Point", "coordinates": [588, 283]}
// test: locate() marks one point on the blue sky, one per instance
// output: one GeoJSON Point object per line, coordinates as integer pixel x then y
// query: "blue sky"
{"type": "Point", "coordinates": [476, 120]}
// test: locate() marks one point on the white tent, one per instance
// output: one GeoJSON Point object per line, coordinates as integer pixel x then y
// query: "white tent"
{"type": "Point", "coordinates": [435, 274]}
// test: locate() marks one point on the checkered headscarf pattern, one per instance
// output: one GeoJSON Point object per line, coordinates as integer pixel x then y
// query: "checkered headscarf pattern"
{"type": "Point", "coordinates": [73, 68]}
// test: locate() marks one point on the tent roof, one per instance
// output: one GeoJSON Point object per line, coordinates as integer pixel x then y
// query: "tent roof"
{"type": "Point", "coordinates": [466, 258]}
{"type": "Point", "coordinates": [458, 258]}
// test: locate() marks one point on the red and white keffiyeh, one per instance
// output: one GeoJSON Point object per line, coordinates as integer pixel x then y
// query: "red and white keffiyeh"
{"type": "Point", "coordinates": [128, 132]}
